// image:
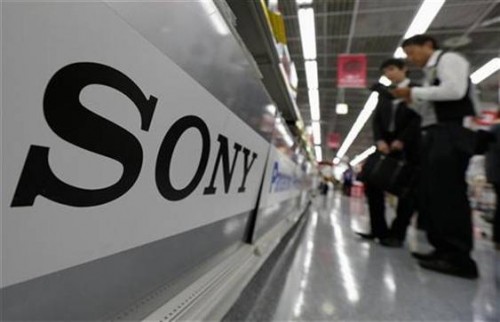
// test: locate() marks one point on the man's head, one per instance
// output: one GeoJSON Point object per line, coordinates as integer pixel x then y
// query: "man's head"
{"type": "Point", "coordinates": [394, 69]}
{"type": "Point", "coordinates": [419, 49]}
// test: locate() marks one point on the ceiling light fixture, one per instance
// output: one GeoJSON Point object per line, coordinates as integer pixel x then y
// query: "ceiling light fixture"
{"type": "Point", "coordinates": [316, 127]}
{"type": "Point", "coordinates": [341, 108]}
{"type": "Point", "coordinates": [311, 74]}
{"type": "Point", "coordinates": [485, 71]}
{"type": "Point", "coordinates": [319, 155]}
{"type": "Point", "coordinates": [385, 81]}
{"type": "Point", "coordinates": [364, 115]}
{"type": "Point", "coordinates": [421, 22]}
{"type": "Point", "coordinates": [304, 2]}
{"type": "Point", "coordinates": [307, 33]}
{"type": "Point", "coordinates": [314, 104]}
{"type": "Point", "coordinates": [363, 155]}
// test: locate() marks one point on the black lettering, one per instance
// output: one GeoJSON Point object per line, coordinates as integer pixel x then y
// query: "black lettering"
{"type": "Point", "coordinates": [246, 152]}
{"type": "Point", "coordinates": [227, 173]}
{"type": "Point", "coordinates": [72, 122]}
{"type": "Point", "coordinates": [166, 152]}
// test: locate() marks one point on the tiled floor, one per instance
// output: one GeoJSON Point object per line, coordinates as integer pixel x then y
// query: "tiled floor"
{"type": "Point", "coordinates": [325, 272]}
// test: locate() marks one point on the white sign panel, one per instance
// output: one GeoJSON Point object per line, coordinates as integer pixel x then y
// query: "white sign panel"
{"type": "Point", "coordinates": [107, 144]}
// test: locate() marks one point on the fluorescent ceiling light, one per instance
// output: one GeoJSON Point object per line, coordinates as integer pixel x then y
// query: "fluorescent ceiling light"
{"type": "Point", "coordinates": [304, 2]}
{"type": "Point", "coordinates": [363, 155]}
{"type": "Point", "coordinates": [316, 127]}
{"type": "Point", "coordinates": [307, 33]}
{"type": "Point", "coordinates": [319, 155]}
{"type": "Point", "coordinates": [215, 17]}
{"type": "Point", "coordinates": [341, 108]}
{"type": "Point", "coordinates": [370, 105]}
{"type": "Point", "coordinates": [485, 71]}
{"type": "Point", "coordinates": [384, 81]}
{"type": "Point", "coordinates": [399, 53]}
{"type": "Point", "coordinates": [314, 104]}
{"type": "Point", "coordinates": [312, 74]}
{"type": "Point", "coordinates": [422, 20]}
{"type": "Point", "coordinates": [424, 17]}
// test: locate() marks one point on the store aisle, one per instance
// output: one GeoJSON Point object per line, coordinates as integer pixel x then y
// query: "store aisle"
{"type": "Point", "coordinates": [324, 272]}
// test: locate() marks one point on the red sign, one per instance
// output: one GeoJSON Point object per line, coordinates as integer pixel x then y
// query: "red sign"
{"type": "Point", "coordinates": [334, 140]}
{"type": "Point", "coordinates": [351, 71]}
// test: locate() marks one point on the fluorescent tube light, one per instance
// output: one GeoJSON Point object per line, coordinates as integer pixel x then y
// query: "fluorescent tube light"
{"type": "Point", "coordinates": [319, 155]}
{"type": "Point", "coordinates": [307, 33]}
{"type": "Point", "coordinates": [314, 104]}
{"type": "Point", "coordinates": [312, 74]}
{"type": "Point", "coordinates": [363, 155]}
{"type": "Point", "coordinates": [341, 108]}
{"type": "Point", "coordinates": [316, 127]}
{"type": "Point", "coordinates": [424, 17]}
{"type": "Point", "coordinates": [370, 105]}
{"type": "Point", "coordinates": [485, 71]}
{"type": "Point", "coordinates": [384, 81]}
{"type": "Point", "coordinates": [399, 53]}
{"type": "Point", "coordinates": [304, 2]}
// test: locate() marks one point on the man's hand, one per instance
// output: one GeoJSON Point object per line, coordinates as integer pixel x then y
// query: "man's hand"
{"type": "Point", "coordinates": [403, 92]}
{"type": "Point", "coordinates": [383, 147]}
{"type": "Point", "coordinates": [397, 145]}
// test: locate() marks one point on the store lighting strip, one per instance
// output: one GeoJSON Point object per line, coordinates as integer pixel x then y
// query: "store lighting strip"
{"type": "Point", "coordinates": [365, 154]}
{"type": "Point", "coordinates": [307, 33]}
{"type": "Point", "coordinates": [485, 71]}
{"type": "Point", "coordinates": [423, 19]}
{"type": "Point", "coordinates": [308, 38]}
{"type": "Point", "coordinates": [314, 104]}
{"type": "Point", "coordinates": [319, 155]}
{"type": "Point", "coordinates": [311, 74]}
{"type": "Point", "coordinates": [316, 132]}
{"type": "Point", "coordinates": [367, 110]}
{"type": "Point", "coordinates": [425, 15]}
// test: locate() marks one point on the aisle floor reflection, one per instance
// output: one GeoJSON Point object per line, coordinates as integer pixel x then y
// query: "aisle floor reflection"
{"type": "Point", "coordinates": [332, 275]}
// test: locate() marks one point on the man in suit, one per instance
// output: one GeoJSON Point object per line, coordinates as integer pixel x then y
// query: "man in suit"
{"type": "Point", "coordinates": [446, 149]}
{"type": "Point", "coordinates": [396, 131]}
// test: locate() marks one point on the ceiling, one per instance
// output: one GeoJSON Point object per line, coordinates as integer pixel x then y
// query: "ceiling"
{"type": "Point", "coordinates": [376, 30]}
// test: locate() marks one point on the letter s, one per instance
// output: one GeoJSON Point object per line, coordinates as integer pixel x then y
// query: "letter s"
{"type": "Point", "coordinates": [71, 121]}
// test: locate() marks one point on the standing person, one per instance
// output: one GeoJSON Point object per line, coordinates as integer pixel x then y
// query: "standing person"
{"type": "Point", "coordinates": [348, 178]}
{"type": "Point", "coordinates": [396, 131]}
{"type": "Point", "coordinates": [446, 149]}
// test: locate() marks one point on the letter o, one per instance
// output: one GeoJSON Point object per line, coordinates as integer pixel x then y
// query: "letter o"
{"type": "Point", "coordinates": [166, 152]}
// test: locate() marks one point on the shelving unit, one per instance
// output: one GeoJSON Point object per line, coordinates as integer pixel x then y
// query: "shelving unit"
{"type": "Point", "coordinates": [253, 27]}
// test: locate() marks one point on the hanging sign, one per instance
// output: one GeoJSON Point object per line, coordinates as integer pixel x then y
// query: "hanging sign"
{"type": "Point", "coordinates": [351, 71]}
{"type": "Point", "coordinates": [334, 140]}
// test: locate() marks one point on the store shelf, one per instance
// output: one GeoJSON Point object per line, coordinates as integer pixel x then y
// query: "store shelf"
{"type": "Point", "coordinates": [252, 26]}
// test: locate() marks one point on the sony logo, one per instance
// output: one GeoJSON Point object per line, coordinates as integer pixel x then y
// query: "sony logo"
{"type": "Point", "coordinates": [74, 123]}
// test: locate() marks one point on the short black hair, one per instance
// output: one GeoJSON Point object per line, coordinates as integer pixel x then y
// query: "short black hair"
{"type": "Point", "coordinates": [399, 63]}
{"type": "Point", "coordinates": [420, 40]}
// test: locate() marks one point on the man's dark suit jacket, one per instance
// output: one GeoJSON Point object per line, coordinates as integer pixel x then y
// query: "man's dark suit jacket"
{"type": "Point", "coordinates": [406, 126]}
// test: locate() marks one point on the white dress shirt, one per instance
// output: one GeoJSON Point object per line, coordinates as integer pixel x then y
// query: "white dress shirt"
{"type": "Point", "coordinates": [453, 73]}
